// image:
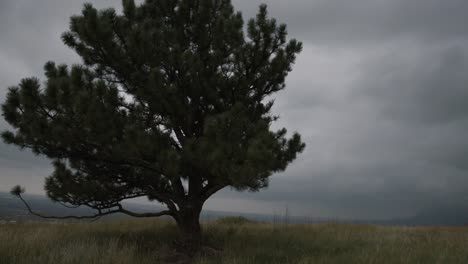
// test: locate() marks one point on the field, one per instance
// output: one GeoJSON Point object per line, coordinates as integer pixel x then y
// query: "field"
{"type": "Point", "coordinates": [148, 241]}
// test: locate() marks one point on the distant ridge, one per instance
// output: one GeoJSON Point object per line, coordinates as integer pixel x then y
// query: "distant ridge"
{"type": "Point", "coordinates": [12, 208]}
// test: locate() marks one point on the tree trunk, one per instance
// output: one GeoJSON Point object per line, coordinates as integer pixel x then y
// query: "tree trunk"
{"type": "Point", "coordinates": [188, 221]}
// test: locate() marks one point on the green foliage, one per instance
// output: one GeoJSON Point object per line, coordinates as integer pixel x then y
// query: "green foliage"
{"type": "Point", "coordinates": [17, 190]}
{"type": "Point", "coordinates": [170, 91]}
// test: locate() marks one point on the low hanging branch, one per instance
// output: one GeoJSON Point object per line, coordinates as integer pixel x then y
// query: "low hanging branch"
{"type": "Point", "coordinates": [18, 191]}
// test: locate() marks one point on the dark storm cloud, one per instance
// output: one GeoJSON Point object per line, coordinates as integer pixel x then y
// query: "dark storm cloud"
{"type": "Point", "coordinates": [421, 85]}
{"type": "Point", "coordinates": [367, 22]}
{"type": "Point", "coordinates": [380, 97]}
{"type": "Point", "coordinates": [378, 94]}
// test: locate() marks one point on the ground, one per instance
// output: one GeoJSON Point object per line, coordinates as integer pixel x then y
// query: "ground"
{"type": "Point", "coordinates": [243, 242]}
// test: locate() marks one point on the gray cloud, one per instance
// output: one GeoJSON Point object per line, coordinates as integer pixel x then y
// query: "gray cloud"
{"type": "Point", "coordinates": [378, 94]}
{"type": "Point", "coordinates": [342, 23]}
{"type": "Point", "coordinates": [420, 83]}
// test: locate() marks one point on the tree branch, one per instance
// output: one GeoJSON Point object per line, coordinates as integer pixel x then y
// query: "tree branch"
{"type": "Point", "coordinates": [209, 190]}
{"type": "Point", "coordinates": [119, 209]}
{"type": "Point", "coordinates": [179, 135]}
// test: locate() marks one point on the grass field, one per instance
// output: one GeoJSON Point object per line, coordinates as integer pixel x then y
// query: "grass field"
{"type": "Point", "coordinates": [146, 241]}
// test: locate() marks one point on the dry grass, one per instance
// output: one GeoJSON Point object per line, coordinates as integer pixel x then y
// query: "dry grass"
{"type": "Point", "coordinates": [136, 241]}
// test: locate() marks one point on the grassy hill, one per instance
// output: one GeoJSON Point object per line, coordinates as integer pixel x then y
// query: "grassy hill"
{"type": "Point", "coordinates": [148, 241]}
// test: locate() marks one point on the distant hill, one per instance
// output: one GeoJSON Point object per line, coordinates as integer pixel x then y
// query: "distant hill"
{"type": "Point", "coordinates": [8, 205]}
{"type": "Point", "coordinates": [452, 216]}
{"type": "Point", "coordinates": [11, 207]}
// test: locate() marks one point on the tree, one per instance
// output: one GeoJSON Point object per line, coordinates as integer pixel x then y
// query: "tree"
{"type": "Point", "coordinates": [170, 103]}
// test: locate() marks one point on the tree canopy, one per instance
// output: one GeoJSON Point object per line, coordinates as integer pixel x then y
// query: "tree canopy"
{"type": "Point", "coordinates": [172, 102]}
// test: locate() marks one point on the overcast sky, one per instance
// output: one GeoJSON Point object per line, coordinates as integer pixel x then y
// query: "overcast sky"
{"type": "Point", "coordinates": [379, 94]}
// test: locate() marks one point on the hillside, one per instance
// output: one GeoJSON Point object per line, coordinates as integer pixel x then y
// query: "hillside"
{"type": "Point", "coordinates": [243, 242]}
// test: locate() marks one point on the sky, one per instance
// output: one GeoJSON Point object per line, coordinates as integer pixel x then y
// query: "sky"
{"type": "Point", "coordinates": [379, 95]}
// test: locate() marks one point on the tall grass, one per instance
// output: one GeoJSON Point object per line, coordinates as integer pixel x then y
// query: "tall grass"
{"type": "Point", "coordinates": [145, 241]}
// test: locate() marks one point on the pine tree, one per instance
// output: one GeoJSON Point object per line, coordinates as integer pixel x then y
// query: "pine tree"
{"type": "Point", "coordinates": [171, 103]}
